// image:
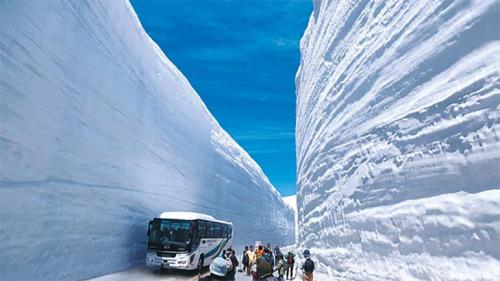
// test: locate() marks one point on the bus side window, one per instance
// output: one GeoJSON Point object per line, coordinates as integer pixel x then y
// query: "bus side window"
{"type": "Point", "coordinates": [230, 231]}
{"type": "Point", "coordinates": [202, 229]}
{"type": "Point", "coordinates": [218, 230]}
{"type": "Point", "coordinates": [210, 230]}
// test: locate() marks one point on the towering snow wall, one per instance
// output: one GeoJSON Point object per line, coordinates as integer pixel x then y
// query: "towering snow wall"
{"type": "Point", "coordinates": [99, 133]}
{"type": "Point", "coordinates": [398, 142]}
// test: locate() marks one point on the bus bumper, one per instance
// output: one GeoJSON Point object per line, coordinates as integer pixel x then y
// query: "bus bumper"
{"type": "Point", "coordinates": [185, 262]}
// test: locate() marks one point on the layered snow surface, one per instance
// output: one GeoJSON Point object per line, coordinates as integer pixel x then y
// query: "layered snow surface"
{"type": "Point", "coordinates": [100, 132]}
{"type": "Point", "coordinates": [291, 201]}
{"type": "Point", "coordinates": [398, 140]}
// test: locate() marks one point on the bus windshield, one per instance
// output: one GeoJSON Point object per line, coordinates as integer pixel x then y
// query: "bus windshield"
{"type": "Point", "coordinates": [170, 231]}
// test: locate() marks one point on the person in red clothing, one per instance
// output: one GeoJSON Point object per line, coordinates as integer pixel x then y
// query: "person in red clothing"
{"type": "Point", "coordinates": [259, 252]}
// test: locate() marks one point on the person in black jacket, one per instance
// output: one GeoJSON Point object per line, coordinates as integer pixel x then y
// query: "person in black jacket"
{"type": "Point", "coordinates": [307, 267]}
{"type": "Point", "coordinates": [290, 260]}
{"type": "Point", "coordinates": [244, 259]}
{"type": "Point", "coordinates": [230, 255]}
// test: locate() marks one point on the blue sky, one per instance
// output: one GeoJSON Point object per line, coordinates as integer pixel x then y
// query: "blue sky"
{"type": "Point", "coordinates": [241, 57]}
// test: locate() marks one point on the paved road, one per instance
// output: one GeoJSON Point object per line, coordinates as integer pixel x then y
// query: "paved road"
{"type": "Point", "coordinates": [146, 274]}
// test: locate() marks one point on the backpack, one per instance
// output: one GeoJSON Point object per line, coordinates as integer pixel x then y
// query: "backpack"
{"type": "Point", "coordinates": [235, 262]}
{"type": "Point", "coordinates": [268, 258]}
{"type": "Point", "coordinates": [290, 259]}
{"type": "Point", "coordinates": [308, 266]}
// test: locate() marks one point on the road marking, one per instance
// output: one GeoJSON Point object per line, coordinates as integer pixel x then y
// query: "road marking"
{"type": "Point", "coordinates": [195, 278]}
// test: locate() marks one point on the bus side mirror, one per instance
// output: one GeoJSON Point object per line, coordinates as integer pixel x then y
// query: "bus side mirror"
{"type": "Point", "coordinates": [148, 232]}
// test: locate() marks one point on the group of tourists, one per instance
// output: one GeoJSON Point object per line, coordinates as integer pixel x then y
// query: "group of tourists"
{"type": "Point", "coordinates": [261, 264]}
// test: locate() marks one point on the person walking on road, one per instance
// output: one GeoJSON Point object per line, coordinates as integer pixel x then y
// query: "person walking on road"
{"type": "Point", "coordinates": [268, 255]}
{"type": "Point", "coordinates": [281, 266]}
{"type": "Point", "coordinates": [290, 260]}
{"type": "Point", "coordinates": [218, 270]}
{"type": "Point", "coordinates": [251, 259]}
{"type": "Point", "coordinates": [244, 259]}
{"type": "Point", "coordinates": [265, 270]}
{"type": "Point", "coordinates": [276, 253]}
{"type": "Point", "coordinates": [231, 257]}
{"type": "Point", "coordinates": [259, 252]}
{"type": "Point", "coordinates": [270, 249]}
{"type": "Point", "coordinates": [307, 267]}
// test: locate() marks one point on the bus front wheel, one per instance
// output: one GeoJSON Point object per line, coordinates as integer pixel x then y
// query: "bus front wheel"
{"type": "Point", "coordinates": [200, 264]}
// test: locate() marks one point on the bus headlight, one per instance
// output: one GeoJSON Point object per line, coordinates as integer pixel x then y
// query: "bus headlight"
{"type": "Point", "coordinates": [184, 259]}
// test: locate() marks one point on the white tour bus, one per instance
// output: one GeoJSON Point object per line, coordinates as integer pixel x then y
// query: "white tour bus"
{"type": "Point", "coordinates": [184, 240]}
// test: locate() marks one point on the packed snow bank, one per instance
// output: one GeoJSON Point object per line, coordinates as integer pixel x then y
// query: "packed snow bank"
{"type": "Point", "coordinates": [446, 237]}
{"type": "Point", "coordinates": [398, 147]}
{"type": "Point", "coordinates": [99, 133]}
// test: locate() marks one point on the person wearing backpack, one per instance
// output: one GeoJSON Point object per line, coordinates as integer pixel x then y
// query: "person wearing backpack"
{"type": "Point", "coordinates": [268, 256]}
{"type": "Point", "coordinates": [307, 267]}
{"type": "Point", "coordinates": [233, 261]}
{"type": "Point", "coordinates": [244, 259]}
{"type": "Point", "coordinates": [290, 260]}
{"type": "Point", "coordinates": [281, 266]}
{"type": "Point", "coordinates": [265, 269]}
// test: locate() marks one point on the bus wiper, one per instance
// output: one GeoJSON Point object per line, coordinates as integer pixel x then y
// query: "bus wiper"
{"type": "Point", "coordinates": [177, 243]}
{"type": "Point", "coordinates": [165, 241]}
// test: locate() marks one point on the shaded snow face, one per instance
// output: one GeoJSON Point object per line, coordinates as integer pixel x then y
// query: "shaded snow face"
{"type": "Point", "coordinates": [291, 201]}
{"type": "Point", "coordinates": [398, 105]}
{"type": "Point", "coordinates": [99, 134]}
